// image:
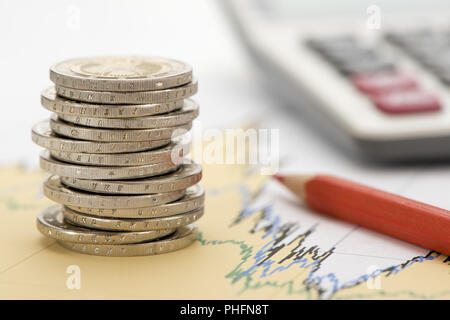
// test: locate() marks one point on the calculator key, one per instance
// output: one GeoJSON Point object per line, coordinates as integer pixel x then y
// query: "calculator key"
{"type": "Point", "coordinates": [433, 56]}
{"type": "Point", "coordinates": [431, 49]}
{"type": "Point", "coordinates": [365, 66]}
{"type": "Point", "coordinates": [344, 56]}
{"type": "Point", "coordinates": [383, 82]}
{"type": "Point", "coordinates": [440, 61]}
{"type": "Point", "coordinates": [410, 101]}
{"type": "Point", "coordinates": [444, 76]}
{"type": "Point", "coordinates": [394, 37]}
{"type": "Point", "coordinates": [409, 39]}
{"type": "Point", "coordinates": [332, 44]}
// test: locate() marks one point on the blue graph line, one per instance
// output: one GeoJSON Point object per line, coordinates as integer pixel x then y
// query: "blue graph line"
{"type": "Point", "coordinates": [262, 261]}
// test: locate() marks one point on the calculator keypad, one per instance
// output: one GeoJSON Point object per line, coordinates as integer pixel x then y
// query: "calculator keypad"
{"type": "Point", "coordinates": [409, 101]}
{"type": "Point", "coordinates": [383, 82]}
{"type": "Point", "coordinates": [349, 56]}
{"type": "Point", "coordinates": [431, 49]}
{"type": "Point", "coordinates": [390, 90]}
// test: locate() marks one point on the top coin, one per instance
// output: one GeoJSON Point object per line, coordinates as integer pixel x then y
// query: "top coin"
{"type": "Point", "coordinates": [121, 73]}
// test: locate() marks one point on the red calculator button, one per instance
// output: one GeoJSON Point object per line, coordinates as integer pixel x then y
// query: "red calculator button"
{"type": "Point", "coordinates": [409, 101]}
{"type": "Point", "coordinates": [383, 82]}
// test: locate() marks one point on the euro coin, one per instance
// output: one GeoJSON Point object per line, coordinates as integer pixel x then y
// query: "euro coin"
{"type": "Point", "coordinates": [51, 101]}
{"type": "Point", "coordinates": [56, 167]}
{"type": "Point", "coordinates": [121, 73]}
{"type": "Point", "coordinates": [43, 136]}
{"type": "Point", "coordinates": [193, 199]}
{"type": "Point", "coordinates": [138, 97]}
{"type": "Point", "coordinates": [164, 154]}
{"type": "Point", "coordinates": [112, 224]}
{"type": "Point", "coordinates": [51, 223]}
{"type": "Point", "coordinates": [54, 190]}
{"type": "Point", "coordinates": [187, 175]}
{"type": "Point", "coordinates": [182, 238]}
{"type": "Point", "coordinates": [177, 118]}
{"type": "Point", "coordinates": [115, 135]}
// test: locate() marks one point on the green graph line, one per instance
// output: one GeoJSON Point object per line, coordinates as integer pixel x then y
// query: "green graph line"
{"type": "Point", "coordinates": [249, 283]}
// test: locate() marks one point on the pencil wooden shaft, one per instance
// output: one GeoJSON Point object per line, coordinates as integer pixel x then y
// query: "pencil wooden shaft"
{"type": "Point", "coordinates": [397, 216]}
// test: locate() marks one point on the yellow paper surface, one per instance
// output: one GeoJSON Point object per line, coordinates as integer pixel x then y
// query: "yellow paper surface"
{"type": "Point", "coordinates": [231, 259]}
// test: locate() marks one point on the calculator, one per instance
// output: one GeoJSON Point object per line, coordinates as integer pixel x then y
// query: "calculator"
{"type": "Point", "coordinates": [381, 90]}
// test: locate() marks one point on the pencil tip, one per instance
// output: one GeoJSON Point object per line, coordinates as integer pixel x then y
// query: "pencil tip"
{"type": "Point", "coordinates": [278, 177]}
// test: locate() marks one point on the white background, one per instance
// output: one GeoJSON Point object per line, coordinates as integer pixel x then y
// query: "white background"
{"type": "Point", "coordinates": [36, 34]}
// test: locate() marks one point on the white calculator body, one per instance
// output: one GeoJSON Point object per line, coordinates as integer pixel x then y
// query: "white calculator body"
{"type": "Point", "coordinates": [376, 78]}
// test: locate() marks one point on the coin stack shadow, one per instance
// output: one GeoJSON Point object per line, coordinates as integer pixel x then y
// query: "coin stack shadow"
{"type": "Point", "coordinates": [116, 156]}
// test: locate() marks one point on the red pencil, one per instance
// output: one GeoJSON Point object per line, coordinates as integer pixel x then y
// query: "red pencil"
{"type": "Point", "coordinates": [397, 216]}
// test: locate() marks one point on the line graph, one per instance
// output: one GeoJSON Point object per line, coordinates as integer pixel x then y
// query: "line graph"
{"type": "Point", "coordinates": [284, 248]}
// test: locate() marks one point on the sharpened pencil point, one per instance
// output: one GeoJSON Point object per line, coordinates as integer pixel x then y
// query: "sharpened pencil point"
{"type": "Point", "coordinates": [278, 177]}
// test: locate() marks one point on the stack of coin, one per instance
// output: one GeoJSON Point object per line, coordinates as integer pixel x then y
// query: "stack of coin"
{"type": "Point", "coordinates": [116, 156]}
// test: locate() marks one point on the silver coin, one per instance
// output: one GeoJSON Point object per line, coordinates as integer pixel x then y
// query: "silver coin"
{"type": "Point", "coordinates": [177, 118]}
{"type": "Point", "coordinates": [110, 224]}
{"type": "Point", "coordinates": [138, 97]}
{"type": "Point", "coordinates": [187, 175]}
{"type": "Point", "coordinates": [182, 238]}
{"type": "Point", "coordinates": [43, 136]}
{"type": "Point", "coordinates": [56, 191]}
{"type": "Point", "coordinates": [51, 223]}
{"type": "Point", "coordinates": [121, 73]}
{"type": "Point", "coordinates": [193, 199]}
{"type": "Point", "coordinates": [163, 154]}
{"type": "Point", "coordinates": [60, 105]}
{"type": "Point", "coordinates": [115, 135]}
{"type": "Point", "coordinates": [59, 168]}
